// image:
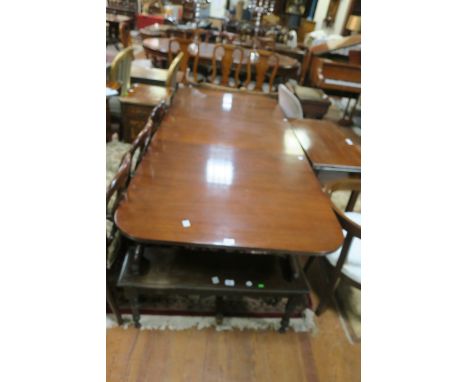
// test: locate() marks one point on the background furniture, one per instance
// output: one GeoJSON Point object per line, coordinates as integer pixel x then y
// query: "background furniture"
{"type": "Point", "coordinates": [227, 60]}
{"type": "Point", "coordinates": [326, 146]}
{"type": "Point", "coordinates": [266, 67]}
{"type": "Point", "coordinates": [289, 103]}
{"type": "Point", "coordinates": [158, 48]}
{"type": "Point", "coordinates": [120, 70]}
{"type": "Point", "coordinates": [314, 101]}
{"type": "Point", "coordinates": [138, 104]}
{"type": "Point", "coordinates": [346, 261]}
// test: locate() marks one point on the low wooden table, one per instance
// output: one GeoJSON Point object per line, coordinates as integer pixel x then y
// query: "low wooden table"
{"type": "Point", "coordinates": [326, 146]}
{"type": "Point", "coordinates": [181, 271]}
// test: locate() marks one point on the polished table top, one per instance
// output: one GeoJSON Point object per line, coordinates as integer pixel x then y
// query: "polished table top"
{"type": "Point", "coordinates": [229, 168]}
{"type": "Point", "coordinates": [326, 146]}
{"type": "Point", "coordinates": [161, 44]}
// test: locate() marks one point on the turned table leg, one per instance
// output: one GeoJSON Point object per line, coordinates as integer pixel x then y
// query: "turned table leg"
{"type": "Point", "coordinates": [135, 308]}
{"type": "Point", "coordinates": [219, 310]}
{"type": "Point", "coordinates": [293, 301]}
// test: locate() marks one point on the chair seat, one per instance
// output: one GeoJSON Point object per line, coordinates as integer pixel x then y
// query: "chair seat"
{"type": "Point", "coordinates": [142, 63]}
{"type": "Point", "coordinates": [149, 76]}
{"type": "Point", "coordinates": [352, 266]}
{"type": "Point", "coordinates": [309, 94]}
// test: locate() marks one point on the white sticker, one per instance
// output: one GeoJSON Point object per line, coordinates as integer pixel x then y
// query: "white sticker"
{"type": "Point", "coordinates": [285, 120]}
{"type": "Point", "coordinates": [229, 282]}
{"type": "Point", "coordinates": [300, 157]}
{"type": "Point", "coordinates": [215, 280]}
{"type": "Point", "coordinates": [349, 141]}
{"type": "Point", "coordinates": [248, 283]}
{"type": "Point", "coordinates": [229, 241]}
{"type": "Point", "coordinates": [186, 223]}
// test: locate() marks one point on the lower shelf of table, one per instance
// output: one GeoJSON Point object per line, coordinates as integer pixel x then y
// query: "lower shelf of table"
{"type": "Point", "coordinates": [218, 273]}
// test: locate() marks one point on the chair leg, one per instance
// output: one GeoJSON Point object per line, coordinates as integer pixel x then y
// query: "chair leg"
{"type": "Point", "coordinates": [113, 305]}
{"type": "Point", "coordinates": [324, 295]}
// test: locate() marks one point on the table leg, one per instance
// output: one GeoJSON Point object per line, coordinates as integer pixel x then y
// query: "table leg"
{"type": "Point", "coordinates": [219, 310]}
{"type": "Point", "coordinates": [293, 301]}
{"type": "Point", "coordinates": [135, 308]}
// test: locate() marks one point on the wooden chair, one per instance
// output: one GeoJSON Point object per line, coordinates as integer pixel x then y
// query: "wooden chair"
{"type": "Point", "coordinates": [289, 103]}
{"type": "Point", "coordinates": [156, 117]}
{"type": "Point", "coordinates": [120, 70]}
{"type": "Point", "coordinates": [124, 35]}
{"type": "Point", "coordinates": [262, 66]}
{"type": "Point", "coordinates": [227, 60]}
{"type": "Point", "coordinates": [138, 149]}
{"type": "Point", "coordinates": [184, 45]}
{"type": "Point", "coordinates": [346, 261]}
{"type": "Point", "coordinates": [114, 194]}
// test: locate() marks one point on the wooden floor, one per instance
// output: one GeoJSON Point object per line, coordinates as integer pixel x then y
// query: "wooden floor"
{"type": "Point", "coordinates": [207, 355]}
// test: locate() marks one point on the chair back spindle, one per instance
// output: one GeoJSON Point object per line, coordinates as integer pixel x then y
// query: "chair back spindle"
{"type": "Point", "coordinates": [183, 45]}
{"type": "Point", "coordinates": [227, 60]}
{"type": "Point", "coordinates": [262, 66]}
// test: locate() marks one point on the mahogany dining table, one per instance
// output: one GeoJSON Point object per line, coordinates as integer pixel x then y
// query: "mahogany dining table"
{"type": "Point", "coordinates": [226, 171]}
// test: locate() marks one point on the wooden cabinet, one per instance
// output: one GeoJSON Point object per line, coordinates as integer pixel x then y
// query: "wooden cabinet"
{"type": "Point", "coordinates": [134, 118]}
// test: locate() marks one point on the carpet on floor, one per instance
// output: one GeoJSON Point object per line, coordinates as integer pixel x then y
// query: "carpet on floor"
{"type": "Point", "coordinates": [180, 312]}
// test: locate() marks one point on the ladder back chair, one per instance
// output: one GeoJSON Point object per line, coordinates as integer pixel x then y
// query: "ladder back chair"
{"type": "Point", "coordinates": [157, 116]}
{"type": "Point", "coordinates": [171, 82]}
{"type": "Point", "coordinates": [228, 58]}
{"type": "Point", "coordinates": [262, 67]}
{"type": "Point", "coordinates": [120, 70]}
{"type": "Point", "coordinates": [190, 49]}
{"type": "Point", "coordinates": [139, 146]}
{"type": "Point", "coordinates": [346, 261]}
{"type": "Point", "coordinates": [114, 194]}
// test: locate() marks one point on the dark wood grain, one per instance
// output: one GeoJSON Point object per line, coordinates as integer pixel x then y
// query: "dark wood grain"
{"type": "Point", "coordinates": [230, 164]}
{"type": "Point", "coordinates": [326, 146]}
